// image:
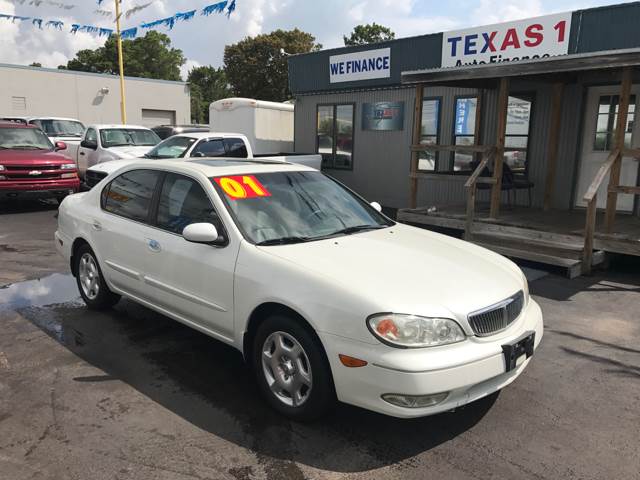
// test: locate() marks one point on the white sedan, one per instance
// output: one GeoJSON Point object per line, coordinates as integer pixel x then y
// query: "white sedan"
{"type": "Point", "coordinates": [326, 297]}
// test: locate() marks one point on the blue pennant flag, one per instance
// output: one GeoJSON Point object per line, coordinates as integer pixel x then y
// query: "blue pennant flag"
{"type": "Point", "coordinates": [186, 16]}
{"type": "Point", "coordinates": [129, 33]}
{"type": "Point", "coordinates": [215, 8]}
{"type": "Point", "coordinates": [37, 22]}
{"type": "Point", "coordinates": [105, 32]}
{"type": "Point", "coordinates": [231, 9]}
{"type": "Point", "coordinates": [57, 24]}
{"type": "Point", "coordinates": [74, 28]}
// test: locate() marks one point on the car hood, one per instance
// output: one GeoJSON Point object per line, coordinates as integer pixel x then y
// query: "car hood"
{"type": "Point", "coordinates": [409, 270]}
{"type": "Point", "coordinates": [128, 151]}
{"type": "Point", "coordinates": [32, 157]}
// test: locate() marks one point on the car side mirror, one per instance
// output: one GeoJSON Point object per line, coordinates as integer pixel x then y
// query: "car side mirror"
{"type": "Point", "coordinates": [88, 144]}
{"type": "Point", "coordinates": [201, 233]}
{"type": "Point", "coordinates": [376, 206]}
{"type": "Point", "coordinates": [60, 146]}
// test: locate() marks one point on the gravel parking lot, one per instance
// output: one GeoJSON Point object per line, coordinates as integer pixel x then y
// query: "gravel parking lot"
{"type": "Point", "coordinates": [130, 394]}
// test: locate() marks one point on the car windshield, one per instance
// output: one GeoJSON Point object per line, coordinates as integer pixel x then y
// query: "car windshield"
{"type": "Point", "coordinates": [24, 139]}
{"type": "Point", "coordinates": [118, 137]}
{"type": "Point", "coordinates": [172, 147]}
{"type": "Point", "coordinates": [59, 128]}
{"type": "Point", "coordinates": [291, 207]}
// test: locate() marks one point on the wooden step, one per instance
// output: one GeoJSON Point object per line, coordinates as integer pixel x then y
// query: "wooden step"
{"type": "Point", "coordinates": [564, 255]}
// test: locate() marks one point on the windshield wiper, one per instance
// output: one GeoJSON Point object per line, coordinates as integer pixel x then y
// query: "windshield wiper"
{"type": "Point", "coordinates": [357, 228]}
{"type": "Point", "coordinates": [283, 241]}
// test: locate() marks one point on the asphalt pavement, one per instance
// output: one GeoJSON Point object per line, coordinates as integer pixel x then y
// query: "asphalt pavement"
{"type": "Point", "coordinates": [130, 394]}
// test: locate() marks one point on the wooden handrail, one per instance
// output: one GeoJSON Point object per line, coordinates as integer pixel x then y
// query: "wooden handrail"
{"type": "Point", "coordinates": [592, 191]}
{"type": "Point", "coordinates": [471, 184]}
{"type": "Point", "coordinates": [479, 169]}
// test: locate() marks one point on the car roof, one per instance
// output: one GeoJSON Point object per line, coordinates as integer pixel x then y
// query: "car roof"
{"type": "Point", "coordinates": [200, 135]}
{"type": "Point", "coordinates": [54, 118]}
{"type": "Point", "coordinates": [15, 125]}
{"type": "Point", "coordinates": [117, 125]}
{"type": "Point", "coordinates": [215, 167]}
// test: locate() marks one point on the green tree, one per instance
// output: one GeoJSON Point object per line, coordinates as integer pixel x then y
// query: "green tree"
{"type": "Point", "coordinates": [257, 66]}
{"type": "Point", "coordinates": [35, 64]}
{"type": "Point", "coordinates": [207, 84]}
{"type": "Point", "coordinates": [150, 56]}
{"type": "Point", "coordinates": [370, 33]}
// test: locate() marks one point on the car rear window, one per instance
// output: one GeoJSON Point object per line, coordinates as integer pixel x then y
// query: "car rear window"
{"type": "Point", "coordinates": [129, 195]}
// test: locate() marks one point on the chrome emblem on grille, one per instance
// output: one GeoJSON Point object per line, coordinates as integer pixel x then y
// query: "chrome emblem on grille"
{"type": "Point", "coordinates": [35, 172]}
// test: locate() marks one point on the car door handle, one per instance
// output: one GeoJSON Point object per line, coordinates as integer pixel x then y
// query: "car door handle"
{"type": "Point", "coordinates": [153, 245]}
{"type": "Point", "coordinates": [81, 153]}
{"type": "Point", "coordinates": [97, 225]}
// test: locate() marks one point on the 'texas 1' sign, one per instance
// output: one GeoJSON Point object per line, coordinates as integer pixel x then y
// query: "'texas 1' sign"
{"type": "Point", "coordinates": [532, 38]}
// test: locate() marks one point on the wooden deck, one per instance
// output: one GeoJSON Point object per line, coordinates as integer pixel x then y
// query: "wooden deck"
{"type": "Point", "coordinates": [554, 237]}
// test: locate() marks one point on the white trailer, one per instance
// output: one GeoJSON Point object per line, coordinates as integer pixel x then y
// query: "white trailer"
{"type": "Point", "coordinates": [267, 125]}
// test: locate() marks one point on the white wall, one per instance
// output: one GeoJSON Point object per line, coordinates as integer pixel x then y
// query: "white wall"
{"type": "Point", "coordinates": [63, 93]}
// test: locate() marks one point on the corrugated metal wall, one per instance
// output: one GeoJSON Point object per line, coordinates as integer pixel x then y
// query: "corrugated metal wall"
{"type": "Point", "coordinates": [381, 159]}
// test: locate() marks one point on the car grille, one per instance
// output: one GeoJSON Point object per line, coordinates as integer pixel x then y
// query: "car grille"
{"type": "Point", "coordinates": [32, 172]}
{"type": "Point", "coordinates": [92, 178]}
{"type": "Point", "coordinates": [497, 317]}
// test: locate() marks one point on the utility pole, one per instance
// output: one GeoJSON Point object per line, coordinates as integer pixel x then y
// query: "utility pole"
{"type": "Point", "coordinates": [123, 103]}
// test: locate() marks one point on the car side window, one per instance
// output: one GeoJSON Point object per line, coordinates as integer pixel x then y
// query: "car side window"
{"type": "Point", "coordinates": [91, 136]}
{"type": "Point", "coordinates": [182, 202]}
{"type": "Point", "coordinates": [236, 148]}
{"type": "Point", "coordinates": [209, 148]}
{"type": "Point", "coordinates": [129, 195]}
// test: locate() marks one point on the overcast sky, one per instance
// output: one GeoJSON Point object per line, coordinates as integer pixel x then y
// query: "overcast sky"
{"type": "Point", "coordinates": [203, 39]}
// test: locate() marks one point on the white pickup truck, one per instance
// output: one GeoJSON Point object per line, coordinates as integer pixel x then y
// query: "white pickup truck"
{"type": "Point", "coordinates": [104, 143]}
{"type": "Point", "coordinates": [202, 144]}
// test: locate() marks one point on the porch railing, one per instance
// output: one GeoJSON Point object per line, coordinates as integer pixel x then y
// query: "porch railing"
{"type": "Point", "coordinates": [471, 186]}
{"type": "Point", "coordinates": [591, 197]}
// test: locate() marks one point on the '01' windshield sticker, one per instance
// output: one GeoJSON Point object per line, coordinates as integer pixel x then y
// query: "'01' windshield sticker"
{"type": "Point", "coordinates": [242, 186]}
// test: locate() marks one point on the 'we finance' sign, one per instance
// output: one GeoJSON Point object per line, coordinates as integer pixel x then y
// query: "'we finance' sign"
{"type": "Point", "coordinates": [360, 65]}
{"type": "Point", "coordinates": [532, 38]}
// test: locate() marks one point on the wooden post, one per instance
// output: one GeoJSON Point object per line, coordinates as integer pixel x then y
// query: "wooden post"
{"type": "Point", "coordinates": [621, 126]}
{"type": "Point", "coordinates": [552, 147]}
{"type": "Point", "coordinates": [589, 231]}
{"type": "Point", "coordinates": [503, 104]}
{"type": "Point", "coordinates": [476, 130]}
{"type": "Point", "coordinates": [417, 125]}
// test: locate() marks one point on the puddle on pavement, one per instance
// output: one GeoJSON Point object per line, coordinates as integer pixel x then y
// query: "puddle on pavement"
{"type": "Point", "coordinates": [52, 289]}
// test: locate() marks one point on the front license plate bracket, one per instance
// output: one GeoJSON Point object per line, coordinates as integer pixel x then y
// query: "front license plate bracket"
{"type": "Point", "coordinates": [514, 350]}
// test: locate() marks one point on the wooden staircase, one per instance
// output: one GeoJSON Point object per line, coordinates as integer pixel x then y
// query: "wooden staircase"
{"type": "Point", "coordinates": [544, 249]}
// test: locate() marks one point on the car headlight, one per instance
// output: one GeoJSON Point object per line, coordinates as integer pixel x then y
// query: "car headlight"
{"type": "Point", "coordinates": [1, 167]}
{"type": "Point", "coordinates": [412, 331]}
{"type": "Point", "coordinates": [68, 166]}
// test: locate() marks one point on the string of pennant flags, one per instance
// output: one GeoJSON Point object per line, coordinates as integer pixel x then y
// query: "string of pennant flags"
{"type": "Point", "coordinates": [224, 6]}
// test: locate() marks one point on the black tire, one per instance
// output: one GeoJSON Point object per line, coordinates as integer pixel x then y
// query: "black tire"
{"type": "Point", "coordinates": [321, 396]}
{"type": "Point", "coordinates": [60, 198]}
{"type": "Point", "coordinates": [104, 298]}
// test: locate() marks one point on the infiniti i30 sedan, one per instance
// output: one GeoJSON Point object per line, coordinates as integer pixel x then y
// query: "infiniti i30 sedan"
{"type": "Point", "coordinates": [325, 296]}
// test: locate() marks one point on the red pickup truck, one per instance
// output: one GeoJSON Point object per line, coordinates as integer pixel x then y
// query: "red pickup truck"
{"type": "Point", "coordinates": [30, 164]}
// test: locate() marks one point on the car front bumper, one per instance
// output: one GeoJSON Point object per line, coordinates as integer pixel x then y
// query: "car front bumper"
{"type": "Point", "coordinates": [43, 188]}
{"type": "Point", "coordinates": [466, 371]}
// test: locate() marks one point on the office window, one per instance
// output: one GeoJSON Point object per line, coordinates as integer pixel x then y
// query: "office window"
{"type": "Point", "coordinates": [464, 131]}
{"type": "Point", "coordinates": [334, 135]}
{"type": "Point", "coordinates": [429, 134]}
{"type": "Point", "coordinates": [517, 132]}
{"type": "Point", "coordinates": [607, 119]}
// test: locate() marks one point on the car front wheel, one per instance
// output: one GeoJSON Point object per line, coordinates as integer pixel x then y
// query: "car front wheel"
{"type": "Point", "coordinates": [291, 369]}
{"type": "Point", "coordinates": [93, 288]}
